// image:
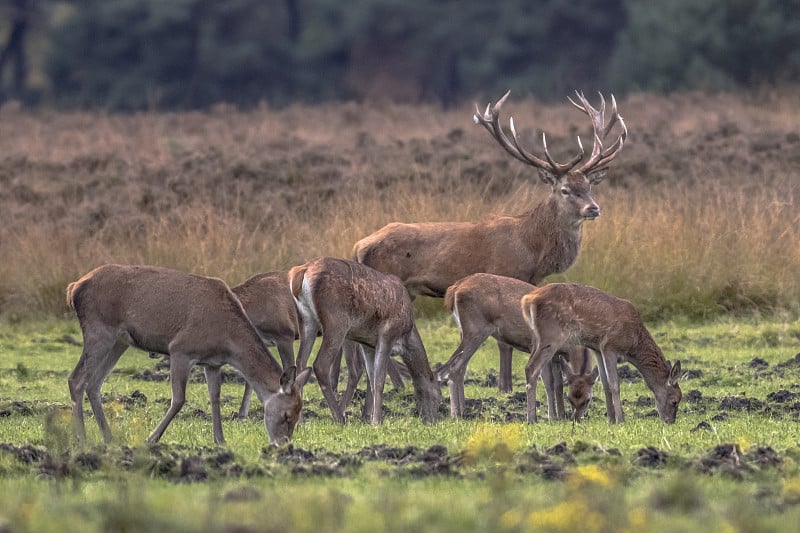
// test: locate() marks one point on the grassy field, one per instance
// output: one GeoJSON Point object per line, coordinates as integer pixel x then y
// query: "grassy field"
{"type": "Point", "coordinates": [729, 463]}
{"type": "Point", "coordinates": [699, 228]}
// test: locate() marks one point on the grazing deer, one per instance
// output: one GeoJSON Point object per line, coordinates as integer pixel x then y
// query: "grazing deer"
{"type": "Point", "coordinates": [429, 257]}
{"type": "Point", "coordinates": [348, 301]}
{"type": "Point", "coordinates": [486, 305]}
{"type": "Point", "coordinates": [192, 318]}
{"type": "Point", "coordinates": [566, 314]}
{"type": "Point", "coordinates": [268, 302]}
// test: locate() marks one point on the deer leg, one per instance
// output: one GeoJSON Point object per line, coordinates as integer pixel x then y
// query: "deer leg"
{"type": "Point", "coordinates": [328, 354]}
{"type": "Point", "coordinates": [355, 369]}
{"type": "Point", "coordinates": [368, 360]}
{"type": "Point", "coordinates": [504, 382]}
{"type": "Point", "coordinates": [179, 375]}
{"type": "Point", "coordinates": [610, 411]}
{"type": "Point", "coordinates": [378, 380]}
{"type": "Point", "coordinates": [98, 375]}
{"type": "Point", "coordinates": [308, 336]}
{"type": "Point", "coordinates": [336, 369]}
{"type": "Point", "coordinates": [457, 369]}
{"type": "Point", "coordinates": [244, 408]}
{"type": "Point", "coordinates": [613, 384]}
{"type": "Point", "coordinates": [214, 382]}
{"type": "Point", "coordinates": [533, 369]}
{"type": "Point", "coordinates": [427, 392]}
{"type": "Point", "coordinates": [554, 387]}
{"type": "Point", "coordinates": [394, 369]}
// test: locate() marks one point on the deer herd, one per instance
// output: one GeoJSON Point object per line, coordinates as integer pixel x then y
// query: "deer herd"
{"type": "Point", "coordinates": [488, 273]}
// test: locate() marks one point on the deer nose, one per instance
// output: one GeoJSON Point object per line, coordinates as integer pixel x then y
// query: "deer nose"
{"type": "Point", "coordinates": [591, 211]}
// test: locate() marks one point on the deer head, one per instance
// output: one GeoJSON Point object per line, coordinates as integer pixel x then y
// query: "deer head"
{"type": "Point", "coordinates": [571, 181]}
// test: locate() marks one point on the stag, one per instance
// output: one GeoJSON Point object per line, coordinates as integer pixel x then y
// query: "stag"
{"type": "Point", "coordinates": [193, 319]}
{"type": "Point", "coordinates": [429, 257]}
{"type": "Point", "coordinates": [567, 314]}
{"type": "Point", "coordinates": [486, 305]}
{"type": "Point", "coordinates": [348, 301]}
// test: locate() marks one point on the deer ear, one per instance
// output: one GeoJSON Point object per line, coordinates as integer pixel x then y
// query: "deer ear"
{"type": "Point", "coordinates": [302, 377]}
{"type": "Point", "coordinates": [288, 379]}
{"type": "Point", "coordinates": [596, 176]}
{"type": "Point", "coordinates": [675, 373]}
{"type": "Point", "coordinates": [547, 176]}
{"type": "Point", "coordinates": [595, 374]}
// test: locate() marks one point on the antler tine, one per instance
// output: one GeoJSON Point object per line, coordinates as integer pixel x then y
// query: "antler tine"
{"type": "Point", "coordinates": [600, 156]}
{"type": "Point", "coordinates": [488, 119]}
{"type": "Point", "coordinates": [563, 168]}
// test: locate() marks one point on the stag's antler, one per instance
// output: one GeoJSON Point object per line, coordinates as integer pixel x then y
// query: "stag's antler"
{"type": "Point", "coordinates": [490, 120]}
{"type": "Point", "coordinates": [597, 161]}
{"type": "Point", "coordinates": [601, 158]}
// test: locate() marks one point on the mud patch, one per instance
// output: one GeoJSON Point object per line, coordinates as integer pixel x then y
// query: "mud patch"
{"type": "Point", "coordinates": [19, 409]}
{"type": "Point", "coordinates": [650, 457]}
{"type": "Point", "coordinates": [737, 403]}
{"type": "Point", "coordinates": [628, 373]}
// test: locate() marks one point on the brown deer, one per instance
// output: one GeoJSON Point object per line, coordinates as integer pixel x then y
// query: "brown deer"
{"type": "Point", "coordinates": [429, 257]}
{"type": "Point", "coordinates": [349, 301]}
{"type": "Point", "coordinates": [194, 319]}
{"type": "Point", "coordinates": [268, 302]}
{"type": "Point", "coordinates": [566, 314]}
{"type": "Point", "coordinates": [486, 305]}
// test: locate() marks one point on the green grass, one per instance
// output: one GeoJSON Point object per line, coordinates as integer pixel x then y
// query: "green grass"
{"type": "Point", "coordinates": [497, 479]}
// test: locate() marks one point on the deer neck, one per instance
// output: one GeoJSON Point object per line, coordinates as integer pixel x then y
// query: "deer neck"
{"type": "Point", "coordinates": [554, 238]}
{"type": "Point", "coordinates": [260, 369]}
{"type": "Point", "coordinates": [650, 361]}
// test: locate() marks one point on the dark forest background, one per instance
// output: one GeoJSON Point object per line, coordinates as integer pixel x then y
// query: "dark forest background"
{"type": "Point", "coordinates": [190, 54]}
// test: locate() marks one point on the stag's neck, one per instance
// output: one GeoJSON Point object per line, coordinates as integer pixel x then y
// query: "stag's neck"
{"type": "Point", "coordinates": [554, 238]}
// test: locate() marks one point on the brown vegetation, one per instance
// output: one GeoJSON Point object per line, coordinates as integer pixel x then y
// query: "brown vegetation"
{"type": "Point", "coordinates": [699, 211]}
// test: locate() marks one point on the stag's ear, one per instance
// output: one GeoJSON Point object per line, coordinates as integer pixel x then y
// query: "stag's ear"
{"type": "Point", "coordinates": [596, 176]}
{"type": "Point", "coordinates": [547, 176]}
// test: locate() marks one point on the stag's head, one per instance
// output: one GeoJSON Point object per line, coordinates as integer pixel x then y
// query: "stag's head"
{"type": "Point", "coordinates": [282, 409]}
{"type": "Point", "coordinates": [669, 396]}
{"type": "Point", "coordinates": [571, 182]}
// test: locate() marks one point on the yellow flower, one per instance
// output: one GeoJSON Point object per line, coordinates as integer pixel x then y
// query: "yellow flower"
{"type": "Point", "coordinates": [791, 490]}
{"type": "Point", "coordinates": [572, 515]}
{"type": "Point", "coordinates": [586, 475]}
{"type": "Point", "coordinates": [494, 442]}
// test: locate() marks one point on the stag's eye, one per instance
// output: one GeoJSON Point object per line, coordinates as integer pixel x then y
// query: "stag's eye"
{"type": "Point", "coordinates": [564, 191]}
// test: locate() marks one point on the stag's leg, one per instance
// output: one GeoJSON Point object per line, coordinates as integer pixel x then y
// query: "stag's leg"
{"type": "Point", "coordinates": [214, 381]}
{"type": "Point", "coordinates": [99, 373]}
{"type": "Point", "coordinates": [328, 353]}
{"type": "Point", "coordinates": [368, 362]}
{"type": "Point", "coordinates": [504, 382]}
{"type": "Point", "coordinates": [179, 367]}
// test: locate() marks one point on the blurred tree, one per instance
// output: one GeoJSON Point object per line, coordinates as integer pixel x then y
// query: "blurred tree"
{"type": "Point", "coordinates": [717, 44]}
{"type": "Point", "coordinates": [13, 52]}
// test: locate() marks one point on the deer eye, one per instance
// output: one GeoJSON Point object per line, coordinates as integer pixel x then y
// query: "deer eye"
{"type": "Point", "coordinates": [564, 191]}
